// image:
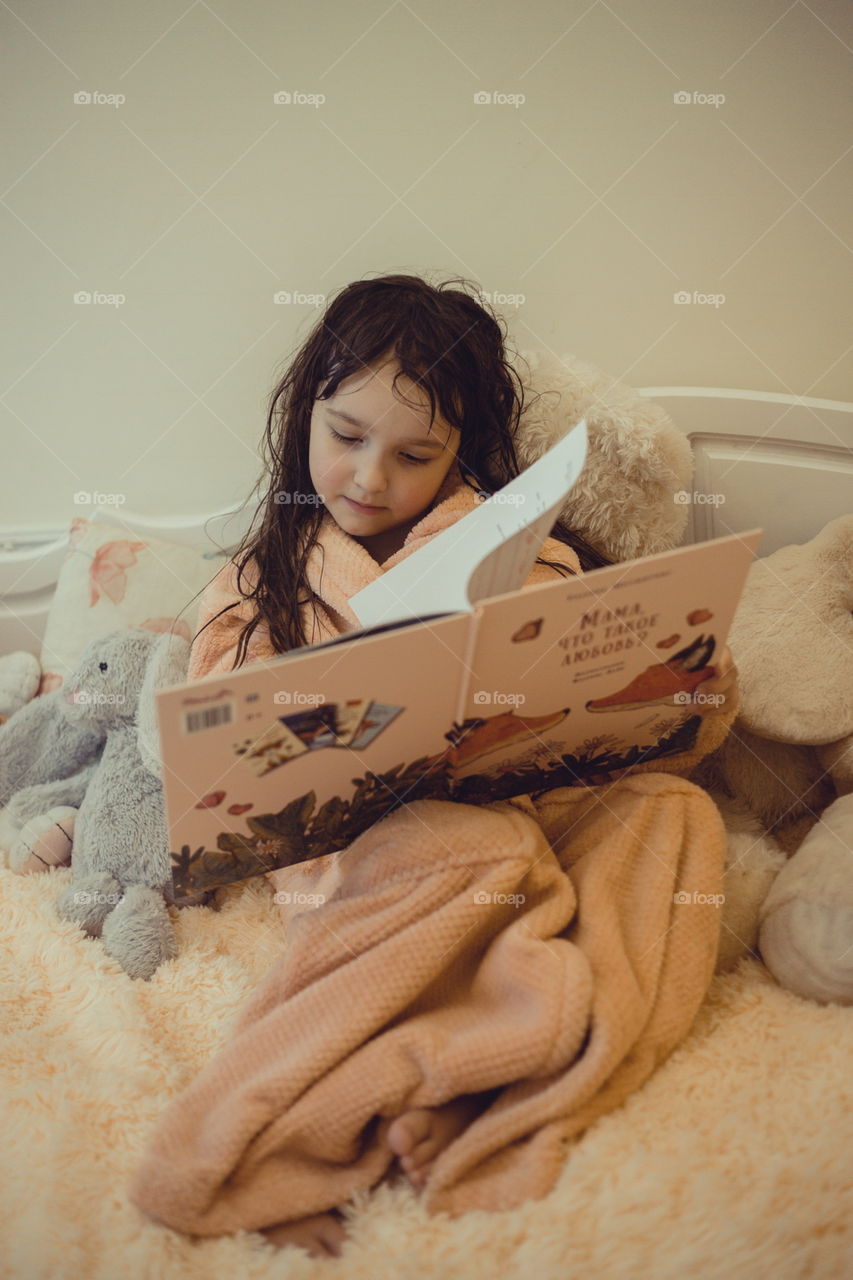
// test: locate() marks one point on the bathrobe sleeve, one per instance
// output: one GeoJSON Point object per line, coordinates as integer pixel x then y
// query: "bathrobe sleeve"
{"type": "Point", "coordinates": [214, 646]}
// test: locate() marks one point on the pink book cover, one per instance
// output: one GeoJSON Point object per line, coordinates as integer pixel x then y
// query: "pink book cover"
{"type": "Point", "coordinates": [570, 681]}
{"type": "Point", "coordinates": [286, 760]}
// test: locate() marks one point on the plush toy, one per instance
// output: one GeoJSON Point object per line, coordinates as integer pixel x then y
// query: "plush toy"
{"type": "Point", "coordinates": [46, 763]}
{"type": "Point", "coordinates": [622, 501]}
{"type": "Point", "coordinates": [20, 674]}
{"type": "Point", "coordinates": [121, 866]}
{"type": "Point", "coordinates": [38, 821]}
{"type": "Point", "coordinates": [789, 760]}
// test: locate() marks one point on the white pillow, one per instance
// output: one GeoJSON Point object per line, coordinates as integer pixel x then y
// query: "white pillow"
{"type": "Point", "coordinates": [112, 578]}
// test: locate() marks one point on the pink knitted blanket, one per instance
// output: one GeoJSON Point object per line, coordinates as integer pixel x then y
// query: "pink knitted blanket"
{"type": "Point", "coordinates": [557, 952]}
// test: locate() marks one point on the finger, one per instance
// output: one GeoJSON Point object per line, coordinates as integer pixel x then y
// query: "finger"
{"type": "Point", "coordinates": [725, 661]}
{"type": "Point", "coordinates": [723, 664]}
{"type": "Point", "coordinates": [717, 692]}
{"type": "Point", "coordinates": [723, 681]}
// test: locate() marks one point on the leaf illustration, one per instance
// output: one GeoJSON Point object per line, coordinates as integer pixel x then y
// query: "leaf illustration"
{"type": "Point", "coordinates": [108, 571]}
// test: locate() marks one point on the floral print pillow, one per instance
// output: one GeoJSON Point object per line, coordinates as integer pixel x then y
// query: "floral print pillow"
{"type": "Point", "coordinates": [111, 579]}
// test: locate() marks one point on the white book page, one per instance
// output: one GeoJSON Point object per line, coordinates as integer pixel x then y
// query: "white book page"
{"type": "Point", "coordinates": [488, 552]}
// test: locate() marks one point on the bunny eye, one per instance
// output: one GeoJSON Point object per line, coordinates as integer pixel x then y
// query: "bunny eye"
{"type": "Point", "coordinates": [103, 666]}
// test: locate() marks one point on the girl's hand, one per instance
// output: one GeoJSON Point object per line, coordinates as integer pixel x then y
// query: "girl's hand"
{"type": "Point", "coordinates": [719, 693]}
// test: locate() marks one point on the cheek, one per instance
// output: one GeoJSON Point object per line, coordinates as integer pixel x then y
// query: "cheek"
{"type": "Point", "coordinates": [419, 488]}
{"type": "Point", "coordinates": [321, 463]}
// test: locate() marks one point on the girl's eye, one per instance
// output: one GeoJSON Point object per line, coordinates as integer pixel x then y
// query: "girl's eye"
{"type": "Point", "coordinates": [354, 440]}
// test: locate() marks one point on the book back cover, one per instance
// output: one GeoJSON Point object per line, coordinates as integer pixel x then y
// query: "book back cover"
{"type": "Point", "coordinates": [283, 761]}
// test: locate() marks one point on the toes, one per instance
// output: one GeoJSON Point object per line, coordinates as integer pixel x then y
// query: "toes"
{"type": "Point", "coordinates": [408, 1131]}
{"type": "Point", "coordinates": [332, 1235]}
{"type": "Point", "coordinates": [418, 1177]}
{"type": "Point", "coordinates": [419, 1154]}
{"type": "Point", "coordinates": [419, 1135]}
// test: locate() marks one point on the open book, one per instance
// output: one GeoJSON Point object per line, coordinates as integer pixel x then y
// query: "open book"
{"type": "Point", "coordinates": [488, 552]}
{"type": "Point", "coordinates": [499, 691]}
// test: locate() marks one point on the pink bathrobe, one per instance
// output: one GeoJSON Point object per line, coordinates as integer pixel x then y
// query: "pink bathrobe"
{"type": "Point", "coordinates": [554, 950]}
{"type": "Point", "coordinates": [338, 567]}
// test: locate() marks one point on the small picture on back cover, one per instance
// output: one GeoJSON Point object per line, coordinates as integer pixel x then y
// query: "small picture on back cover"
{"type": "Point", "coordinates": [379, 715]}
{"type": "Point", "coordinates": [349, 716]}
{"type": "Point", "coordinates": [266, 751]}
{"type": "Point", "coordinates": [315, 726]}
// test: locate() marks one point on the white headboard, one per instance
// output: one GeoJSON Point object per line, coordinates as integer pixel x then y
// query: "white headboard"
{"type": "Point", "coordinates": [783, 463]}
{"type": "Point", "coordinates": [30, 562]}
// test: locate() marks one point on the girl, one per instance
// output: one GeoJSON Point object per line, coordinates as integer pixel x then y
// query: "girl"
{"type": "Point", "coordinates": [349, 452]}
{"type": "Point", "coordinates": [394, 419]}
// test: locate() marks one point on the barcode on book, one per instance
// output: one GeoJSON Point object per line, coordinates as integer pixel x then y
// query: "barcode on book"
{"type": "Point", "coordinates": [208, 717]}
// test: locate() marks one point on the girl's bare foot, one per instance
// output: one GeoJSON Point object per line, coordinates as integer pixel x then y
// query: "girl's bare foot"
{"type": "Point", "coordinates": [418, 1136]}
{"type": "Point", "coordinates": [322, 1234]}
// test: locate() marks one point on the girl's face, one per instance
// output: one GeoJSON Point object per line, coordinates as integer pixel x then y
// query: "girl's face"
{"type": "Point", "coordinates": [378, 468]}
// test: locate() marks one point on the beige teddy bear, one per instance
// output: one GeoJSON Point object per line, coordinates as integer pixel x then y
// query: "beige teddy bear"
{"type": "Point", "coordinates": [784, 776]}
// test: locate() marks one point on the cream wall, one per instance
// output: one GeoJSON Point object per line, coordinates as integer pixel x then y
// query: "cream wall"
{"type": "Point", "coordinates": [595, 200]}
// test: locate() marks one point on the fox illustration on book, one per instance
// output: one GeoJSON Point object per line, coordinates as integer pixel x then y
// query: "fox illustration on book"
{"type": "Point", "coordinates": [661, 682]}
{"type": "Point", "coordinates": [474, 739]}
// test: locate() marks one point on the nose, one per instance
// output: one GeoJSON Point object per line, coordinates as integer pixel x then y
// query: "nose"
{"type": "Point", "coordinates": [369, 476]}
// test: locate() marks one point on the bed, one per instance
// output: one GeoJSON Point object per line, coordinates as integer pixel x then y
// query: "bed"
{"type": "Point", "coordinates": [733, 1160]}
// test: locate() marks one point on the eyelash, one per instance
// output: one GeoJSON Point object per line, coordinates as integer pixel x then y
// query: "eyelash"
{"type": "Point", "coordinates": [418, 462]}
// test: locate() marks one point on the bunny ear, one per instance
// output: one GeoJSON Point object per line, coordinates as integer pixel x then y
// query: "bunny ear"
{"type": "Point", "coordinates": [167, 665]}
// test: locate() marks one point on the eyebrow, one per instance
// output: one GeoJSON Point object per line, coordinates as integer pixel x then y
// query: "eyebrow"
{"type": "Point", "coordinates": [356, 422]}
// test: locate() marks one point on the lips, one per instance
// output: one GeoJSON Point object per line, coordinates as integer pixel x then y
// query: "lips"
{"type": "Point", "coordinates": [360, 506]}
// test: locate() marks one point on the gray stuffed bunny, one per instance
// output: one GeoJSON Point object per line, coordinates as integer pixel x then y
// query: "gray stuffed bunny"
{"type": "Point", "coordinates": [46, 763]}
{"type": "Point", "coordinates": [94, 743]}
{"type": "Point", "coordinates": [45, 759]}
{"type": "Point", "coordinates": [121, 866]}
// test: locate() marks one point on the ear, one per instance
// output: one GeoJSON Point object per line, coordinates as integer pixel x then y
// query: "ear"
{"type": "Point", "coordinates": [167, 665]}
{"type": "Point", "coordinates": [637, 459]}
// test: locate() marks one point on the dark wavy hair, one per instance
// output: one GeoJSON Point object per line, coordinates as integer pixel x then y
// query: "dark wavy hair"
{"type": "Point", "coordinates": [449, 344]}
